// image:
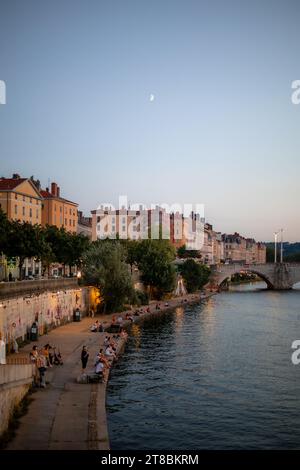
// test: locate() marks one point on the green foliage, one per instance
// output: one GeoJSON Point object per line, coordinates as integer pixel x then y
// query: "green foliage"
{"type": "Point", "coordinates": [270, 254]}
{"type": "Point", "coordinates": [153, 258]}
{"type": "Point", "coordinates": [4, 229]}
{"type": "Point", "coordinates": [23, 242]}
{"type": "Point", "coordinates": [48, 244]}
{"type": "Point", "coordinates": [182, 252]}
{"type": "Point", "coordinates": [105, 267]}
{"type": "Point", "coordinates": [194, 274]}
{"type": "Point", "coordinates": [293, 258]}
{"type": "Point", "coordinates": [142, 297]}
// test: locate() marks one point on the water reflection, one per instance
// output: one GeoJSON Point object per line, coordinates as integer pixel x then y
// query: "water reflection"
{"type": "Point", "coordinates": [215, 375]}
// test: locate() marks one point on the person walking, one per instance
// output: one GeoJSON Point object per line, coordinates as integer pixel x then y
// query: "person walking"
{"type": "Point", "coordinates": [84, 358]}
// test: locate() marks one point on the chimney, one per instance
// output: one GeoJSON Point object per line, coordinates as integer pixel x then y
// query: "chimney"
{"type": "Point", "coordinates": [16, 176]}
{"type": "Point", "coordinates": [47, 189]}
{"type": "Point", "coordinates": [54, 189]}
{"type": "Point", "coordinates": [58, 191]}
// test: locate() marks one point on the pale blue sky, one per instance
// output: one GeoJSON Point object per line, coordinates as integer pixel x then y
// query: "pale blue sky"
{"type": "Point", "coordinates": [221, 130]}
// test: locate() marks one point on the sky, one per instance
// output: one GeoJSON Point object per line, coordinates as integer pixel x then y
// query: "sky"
{"type": "Point", "coordinates": [221, 130]}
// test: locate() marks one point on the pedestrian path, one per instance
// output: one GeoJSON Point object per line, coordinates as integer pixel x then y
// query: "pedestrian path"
{"type": "Point", "coordinates": [66, 415]}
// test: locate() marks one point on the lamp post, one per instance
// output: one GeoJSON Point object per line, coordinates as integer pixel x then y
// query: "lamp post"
{"type": "Point", "coordinates": [275, 250]}
{"type": "Point", "coordinates": [281, 246]}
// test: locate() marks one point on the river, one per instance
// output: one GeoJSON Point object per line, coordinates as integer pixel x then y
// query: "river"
{"type": "Point", "coordinates": [217, 375]}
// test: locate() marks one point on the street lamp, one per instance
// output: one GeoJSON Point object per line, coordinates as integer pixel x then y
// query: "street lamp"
{"type": "Point", "coordinates": [281, 245]}
{"type": "Point", "coordinates": [275, 251]}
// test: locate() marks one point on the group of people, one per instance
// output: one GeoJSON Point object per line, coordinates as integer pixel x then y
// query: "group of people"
{"type": "Point", "coordinates": [106, 355]}
{"type": "Point", "coordinates": [43, 358]}
{"type": "Point", "coordinates": [97, 327]}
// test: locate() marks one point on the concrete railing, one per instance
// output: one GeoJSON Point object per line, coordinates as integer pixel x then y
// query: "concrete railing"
{"type": "Point", "coordinates": [9, 289]}
{"type": "Point", "coordinates": [13, 375]}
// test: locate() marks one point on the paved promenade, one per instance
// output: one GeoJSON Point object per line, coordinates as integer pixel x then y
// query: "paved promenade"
{"type": "Point", "coordinates": [67, 415]}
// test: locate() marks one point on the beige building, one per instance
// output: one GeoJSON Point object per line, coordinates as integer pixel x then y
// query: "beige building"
{"type": "Point", "coordinates": [20, 200]}
{"type": "Point", "coordinates": [238, 249]}
{"type": "Point", "coordinates": [58, 211]}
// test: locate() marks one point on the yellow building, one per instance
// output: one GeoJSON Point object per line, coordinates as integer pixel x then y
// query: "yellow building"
{"type": "Point", "coordinates": [58, 211]}
{"type": "Point", "coordinates": [20, 200]}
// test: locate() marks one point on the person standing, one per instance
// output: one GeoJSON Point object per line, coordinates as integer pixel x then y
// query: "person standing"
{"type": "Point", "coordinates": [84, 358]}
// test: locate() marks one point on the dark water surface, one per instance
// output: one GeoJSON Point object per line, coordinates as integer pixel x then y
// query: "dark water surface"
{"type": "Point", "coordinates": [213, 376]}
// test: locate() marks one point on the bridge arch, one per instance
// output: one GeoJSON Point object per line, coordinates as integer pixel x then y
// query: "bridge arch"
{"type": "Point", "coordinates": [222, 277]}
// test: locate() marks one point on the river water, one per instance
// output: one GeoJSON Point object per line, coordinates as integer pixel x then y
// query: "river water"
{"type": "Point", "coordinates": [217, 375]}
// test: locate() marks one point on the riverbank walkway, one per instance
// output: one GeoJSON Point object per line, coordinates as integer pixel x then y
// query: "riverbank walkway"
{"type": "Point", "coordinates": [67, 415]}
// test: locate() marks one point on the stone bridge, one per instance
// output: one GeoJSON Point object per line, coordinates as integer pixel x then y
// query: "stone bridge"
{"type": "Point", "coordinates": [279, 276]}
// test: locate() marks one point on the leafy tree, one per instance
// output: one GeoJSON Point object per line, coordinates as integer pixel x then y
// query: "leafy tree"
{"type": "Point", "coordinates": [182, 252]}
{"type": "Point", "coordinates": [74, 247]}
{"type": "Point", "coordinates": [194, 274]}
{"type": "Point", "coordinates": [4, 230]}
{"type": "Point", "coordinates": [154, 258]}
{"type": "Point", "coordinates": [270, 254]}
{"type": "Point", "coordinates": [293, 258]}
{"type": "Point", "coordinates": [23, 241]}
{"type": "Point", "coordinates": [104, 266]}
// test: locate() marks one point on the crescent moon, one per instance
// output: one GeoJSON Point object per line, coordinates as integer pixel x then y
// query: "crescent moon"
{"type": "Point", "coordinates": [152, 97]}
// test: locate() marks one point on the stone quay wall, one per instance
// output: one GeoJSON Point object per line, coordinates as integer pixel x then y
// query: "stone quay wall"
{"type": "Point", "coordinates": [49, 308]}
{"type": "Point", "coordinates": [15, 381]}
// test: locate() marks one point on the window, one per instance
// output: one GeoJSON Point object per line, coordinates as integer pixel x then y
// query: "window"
{"type": "Point", "coordinates": [70, 212]}
{"type": "Point", "coordinates": [24, 198]}
{"type": "Point", "coordinates": [123, 220]}
{"type": "Point", "coordinates": [113, 228]}
{"type": "Point", "coordinates": [31, 200]}
{"type": "Point", "coordinates": [37, 213]}
{"type": "Point", "coordinates": [60, 209]}
{"type": "Point", "coordinates": [16, 196]}
{"type": "Point", "coordinates": [98, 219]}
{"type": "Point", "coordinates": [16, 209]}
{"type": "Point", "coordinates": [70, 222]}
{"type": "Point", "coordinates": [66, 222]}
{"type": "Point", "coordinates": [73, 223]}
{"type": "Point", "coordinates": [30, 212]}
{"type": "Point", "coordinates": [113, 220]}
{"type": "Point", "coordinates": [37, 202]}
{"type": "Point", "coordinates": [124, 228]}
{"type": "Point", "coordinates": [23, 210]}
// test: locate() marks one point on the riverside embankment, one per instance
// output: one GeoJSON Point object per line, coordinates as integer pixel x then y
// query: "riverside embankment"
{"type": "Point", "coordinates": [69, 415]}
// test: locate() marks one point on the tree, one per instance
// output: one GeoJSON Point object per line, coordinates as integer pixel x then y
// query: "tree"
{"type": "Point", "coordinates": [293, 258]}
{"type": "Point", "coordinates": [154, 258]}
{"type": "Point", "coordinates": [270, 254]}
{"type": "Point", "coordinates": [67, 248]}
{"type": "Point", "coordinates": [23, 242]}
{"type": "Point", "coordinates": [4, 230]}
{"type": "Point", "coordinates": [182, 252]}
{"type": "Point", "coordinates": [194, 274]}
{"type": "Point", "coordinates": [104, 266]}
{"type": "Point", "coordinates": [74, 247]}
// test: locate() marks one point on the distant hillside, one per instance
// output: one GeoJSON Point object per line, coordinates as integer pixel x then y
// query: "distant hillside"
{"type": "Point", "coordinates": [291, 251]}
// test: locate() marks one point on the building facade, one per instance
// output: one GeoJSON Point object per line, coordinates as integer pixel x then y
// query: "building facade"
{"type": "Point", "coordinates": [58, 211]}
{"type": "Point", "coordinates": [20, 200]}
{"type": "Point", "coordinates": [84, 225]}
{"type": "Point", "coordinates": [238, 249]}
